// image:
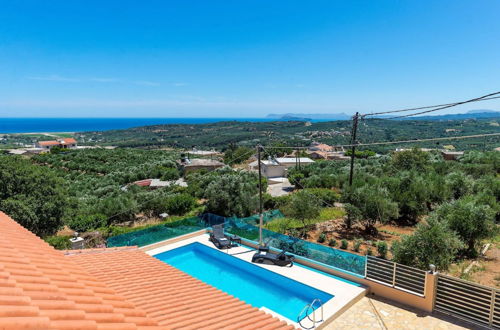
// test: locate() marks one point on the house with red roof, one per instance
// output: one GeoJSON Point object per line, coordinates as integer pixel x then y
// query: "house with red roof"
{"type": "Point", "coordinates": [65, 143]}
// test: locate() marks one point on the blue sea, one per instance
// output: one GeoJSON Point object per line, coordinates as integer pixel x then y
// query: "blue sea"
{"type": "Point", "coordinates": [32, 125]}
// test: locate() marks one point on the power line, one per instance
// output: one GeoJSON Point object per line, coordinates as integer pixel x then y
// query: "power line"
{"type": "Point", "coordinates": [426, 140]}
{"type": "Point", "coordinates": [402, 141]}
{"type": "Point", "coordinates": [439, 106]}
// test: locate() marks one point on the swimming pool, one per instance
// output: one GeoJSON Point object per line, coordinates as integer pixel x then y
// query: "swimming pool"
{"type": "Point", "coordinates": [255, 285]}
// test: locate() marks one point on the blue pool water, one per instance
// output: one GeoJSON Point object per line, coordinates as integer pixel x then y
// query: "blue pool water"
{"type": "Point", "coordinates": [255, 285]}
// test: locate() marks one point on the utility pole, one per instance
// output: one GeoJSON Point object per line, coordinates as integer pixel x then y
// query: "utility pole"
{"type": "Point", "coordinates": [260, 195]}
{"type": "Point", "coordinates": [353, 144]}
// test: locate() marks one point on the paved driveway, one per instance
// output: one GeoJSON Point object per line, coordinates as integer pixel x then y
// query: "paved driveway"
{"type": "Point", "coordinates": [280, 189]}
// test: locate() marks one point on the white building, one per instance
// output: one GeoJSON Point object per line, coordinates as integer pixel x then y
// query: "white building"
{"type": "Point", "coordinates": [278, 167]}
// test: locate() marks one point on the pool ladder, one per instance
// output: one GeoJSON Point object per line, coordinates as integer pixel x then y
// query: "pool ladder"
{"type": "Point", "coordinates": [306, 309]}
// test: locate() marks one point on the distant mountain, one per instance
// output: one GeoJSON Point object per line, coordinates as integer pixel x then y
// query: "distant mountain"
{"type": "Point", "coordinates": [483, 111]}
{"type": "Point", "coordinates": [472, 114]}
{"type": "Point", "coordinates": [310, 116]}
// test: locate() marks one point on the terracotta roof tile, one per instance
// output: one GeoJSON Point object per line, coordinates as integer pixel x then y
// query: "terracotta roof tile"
{"type": "Point", "coordinates": [117, 288]}
{"type": "Point", "coordinates": [172, 298]}
{"type": "Point", "coordinates": [42, 289]}
{"type": "Point", "coordinates": [48, 143]}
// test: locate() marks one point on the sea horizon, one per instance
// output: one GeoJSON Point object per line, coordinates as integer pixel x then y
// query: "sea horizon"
{"type": "Point", "coordinates": [12, 125]}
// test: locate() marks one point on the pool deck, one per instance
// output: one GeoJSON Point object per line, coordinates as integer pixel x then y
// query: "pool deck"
{"type": "Point", "coordinates": [345, 294]}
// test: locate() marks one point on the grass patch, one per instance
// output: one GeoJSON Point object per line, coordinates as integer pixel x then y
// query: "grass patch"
{"type": "Point", "coordinates": [282, 224]}
{"type": "Point", "coordinates": [114, 230]}
{"type": "Point", "coordinates": [390, 232]}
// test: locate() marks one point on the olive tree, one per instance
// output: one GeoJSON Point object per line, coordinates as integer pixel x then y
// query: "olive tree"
{"type": "Point", "coordinates": [368, 205]}
{"type": "Point", "coordinates": [32, 195]}
{"type": "Point", "coordinates": [232, 195]}
{"type": "Point", "coordinates": [431, 243]}
{"type": "Point", "coordinates": [303, 206]}
{"type": "Point", "coordinates": [469, 219]}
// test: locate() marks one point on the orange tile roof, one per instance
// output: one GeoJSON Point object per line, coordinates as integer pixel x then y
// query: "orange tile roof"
{"type": "Point", "coordinates": [169, 296]}
{"type": "Point", "coordinates": [114, 288]}
{"type": "Point", "coordinates": [68, 140]}
{"type": "Point", "coordinates": [40, 288]}
{"type": "Point", "coordinates": [323, 147]}
{"type": "Point", "coordinates": [48, 143]}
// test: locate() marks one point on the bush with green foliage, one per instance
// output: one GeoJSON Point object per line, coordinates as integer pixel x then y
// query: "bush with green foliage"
{"type": "Point", "coordinates": [459, 184]}
{"type": "Point", "coordinates": [169, 173]}
{"type": "Point", "coordinates": [83, 222]}
{"type": "Point", "coordinates": [470, 220]}
{"type": "Point", "coordinates": [344, 244]}
{"type": "Point", "coordinates": [357, 245]}
{"type": "Point", "coordinates": [322, 238]}
{"type": "Point", "coordinates": [232, 194]}
{"type": "Point", "coordinates": [59, 242]}
{"type": "Point", "coordinates": [361, 153]}
{"type": "Point", "coordinates": [382, 249]}
{"type": "Point", "coordinates": [369, 205]}
{"type": "Point", "coordinates": [326, 197]}
{"type": "Point", "coordinates": [237, 155]}
{"type": "Point", "coordinates": [431, 243]}
{"type": "Point", "coordinates": [410, 191]}
{"type": "Point", "coordinates": [272, 203]}
{"type": "Point", "coordinates": [332, 242]}
{"type": "Point", "coordinates": [32, 195]}
{"type": "Point", "coordinates": [303, 207]}
{"type": "Point", "coordinates": [179, 204]}
{"type": "Point", "coordinates": [414, 159]}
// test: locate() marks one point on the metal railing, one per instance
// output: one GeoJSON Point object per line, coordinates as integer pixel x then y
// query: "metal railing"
{"type": "Point", "coordinates": [307, 308]}
{"type": "Point", "coordinates": [469, 301]}
{"type": "Point", "coordinates": [396, 275]}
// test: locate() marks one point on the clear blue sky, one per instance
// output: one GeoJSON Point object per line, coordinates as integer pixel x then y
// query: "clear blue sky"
{"type": "Point", "coordinates": [244, 58]}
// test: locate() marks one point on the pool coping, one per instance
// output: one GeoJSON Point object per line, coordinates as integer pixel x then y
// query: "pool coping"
{"type": "Point", "coordinates": [345, 294]}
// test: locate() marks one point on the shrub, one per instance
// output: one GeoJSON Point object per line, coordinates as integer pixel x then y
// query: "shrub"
{"type": "Point", "coordinates": [357, 245]}
{"type": "Point", "coordinates": [344, 244]}
{"type": "Point", "coordinates": [382, 249]}
{"type": "Point", "coordinates": [33, 195]}
{"type": "Point", "coordinates": [232, 194]}
{"type": "Point", "coordinates": [432, 243]}
{"type": "Point", "coordinates": [370, 204]}
{"type": "Point", "coordinates": [332, 242]}
{"type": "Point", "coordinates": [303, 207]}
{"type": "Point", "coordinates": [59, 242]}
{"type": "Point", "coordinates": [322, 238]}
{"type": "Point", "coordinates": [82, 223]}
{"type": "Point", "coordinates": [270, 202]}
{"type": "Point", "coordinates": [411, 159]}
{"type": "Point", "coordinates": [180, 204]}
{"type": "Point", "coordinates": [237, 155]}
{"type": "Point", "coordinates": [369, 251]}
{"type": "Point", "coordinates": [170, 173]}
{"type": "Point", "coordinates": [327, 196]}
{"type": "Point", "coordinates": [471, 221]}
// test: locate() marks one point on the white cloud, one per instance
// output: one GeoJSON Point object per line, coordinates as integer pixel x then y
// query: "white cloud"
{"type": "Point", "coordinates": [179, 84]}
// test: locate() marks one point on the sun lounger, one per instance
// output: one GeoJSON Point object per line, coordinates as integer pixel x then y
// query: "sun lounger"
{"type": "Point", "coordinates": [221, 240]}
{"type": "Point", "coordinates": [264, 256]}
